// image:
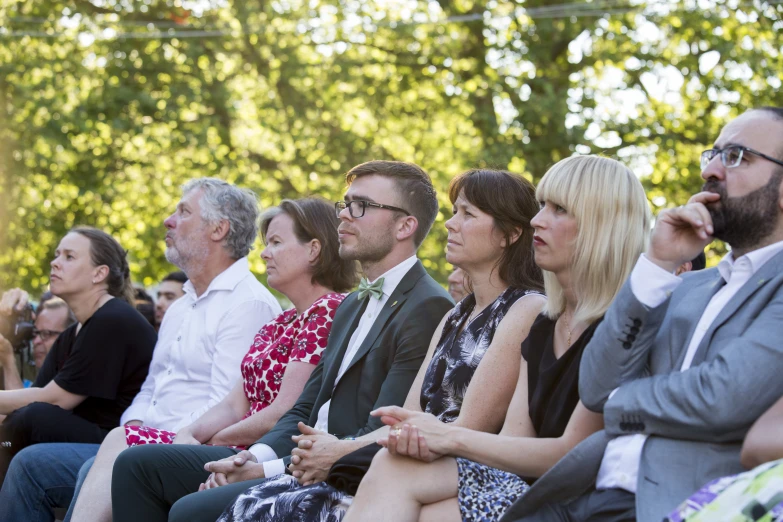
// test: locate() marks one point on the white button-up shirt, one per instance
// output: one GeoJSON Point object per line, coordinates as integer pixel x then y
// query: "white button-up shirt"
{"type": "Point", "coordinates": [652, 285]}
{"type": "Point", "coordinates": [201, 343]}
{"type": "Point", "coordinates": [263, 453]}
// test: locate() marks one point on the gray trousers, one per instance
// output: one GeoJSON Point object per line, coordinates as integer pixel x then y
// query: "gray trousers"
{"type": "Point", "coordinates": [606, 505]}
{"type": "Point", "coordinates": [159, 483]}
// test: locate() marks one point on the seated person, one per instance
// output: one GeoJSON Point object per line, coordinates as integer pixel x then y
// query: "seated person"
{"type": "Point", "coordinates": [683, 366]}
{"type": "Point", "coordinates": [196, 361]}
{"type": "Point", "coordinates": [593, 224]}
{"type": "Point", "coordinates": [458, 284]}
{"type": "Point", "coordinates": [95, 367]}
{"type": "Point", "coordinates": [377, 344]}
{"type": "Point", "coordinates": [473, 363]}
{"type": "Point", "coordinates": [754, 495]}
{"type": "Point", "coordinates": [51, 319]}
{"type": "Point", "coordinates": [144, 303]}
{"type": "Point", "coordinates": [169, 290]}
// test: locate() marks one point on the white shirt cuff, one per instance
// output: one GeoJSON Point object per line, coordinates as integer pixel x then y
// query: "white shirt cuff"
{"type": "Point", "coordinates": [262, 452]}
{"type": "Point", "coordinates": [651, 284]}
{"type": "Point", "coordinates": [273, 468]}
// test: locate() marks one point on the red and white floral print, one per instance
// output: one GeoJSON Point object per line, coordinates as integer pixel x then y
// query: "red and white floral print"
{"type": "Point", "coordinates": [285, 339]}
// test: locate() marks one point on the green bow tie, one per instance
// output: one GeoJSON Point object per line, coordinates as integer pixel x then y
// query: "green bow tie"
{"type": "Point", "coordinates": [375, 289]}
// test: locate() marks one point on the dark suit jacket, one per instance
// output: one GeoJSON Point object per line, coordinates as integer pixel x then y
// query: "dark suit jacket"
{"type": "Point", "coordinates": [381, 372]}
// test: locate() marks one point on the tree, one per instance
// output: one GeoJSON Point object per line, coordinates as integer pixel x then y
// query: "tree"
{"type": "Point", "coordinates": [108, 107]}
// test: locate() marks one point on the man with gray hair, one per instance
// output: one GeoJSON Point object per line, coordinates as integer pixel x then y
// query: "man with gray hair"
{"type": "Point", "coordinates": [202, 340]}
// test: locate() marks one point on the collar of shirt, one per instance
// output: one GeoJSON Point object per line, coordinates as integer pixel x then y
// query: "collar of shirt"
{"type": "Point", "coordinates": [393, 276]}
{"type": "Point", "coordinates": [752, 260]}
{"type": "Point", "coordinates": [228, 279]}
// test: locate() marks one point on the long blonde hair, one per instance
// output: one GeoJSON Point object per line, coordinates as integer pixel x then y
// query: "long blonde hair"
{"type": "Point", "coordinates": [613, 227]}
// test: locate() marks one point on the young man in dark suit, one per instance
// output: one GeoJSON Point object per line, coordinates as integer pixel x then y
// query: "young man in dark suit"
{"type": "Point", "coordinates": [378, 341]}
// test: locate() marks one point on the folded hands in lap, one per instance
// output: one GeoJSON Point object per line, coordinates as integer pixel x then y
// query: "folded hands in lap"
{"type": "Point", "coordinates": [314, 455]}
{"type": "Point", "coordinates": [237, 468]}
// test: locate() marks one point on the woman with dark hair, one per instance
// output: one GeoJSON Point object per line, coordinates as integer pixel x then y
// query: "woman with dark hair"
{"type": "Point", "coordinates": [302, 262]}
{"type": "Point", "coordinates": [96, 366]}
{"type": "Point", "coordinates": [592, 226]}
{"type": "Point", "coordinates": [468, 376]}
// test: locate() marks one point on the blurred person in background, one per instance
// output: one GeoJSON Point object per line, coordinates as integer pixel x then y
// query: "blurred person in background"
{"type": "Point", "coordinates": [458, 283]}
{"type": "Point", "coordinates": [144, 303]}
{"type": "Point", "coordinates": [52, 318]}
{"type": "Point", "coordinates": [169, 290]}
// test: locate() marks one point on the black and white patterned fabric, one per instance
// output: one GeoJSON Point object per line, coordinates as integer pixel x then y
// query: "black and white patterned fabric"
{"type": "Point", "coordinates": [281, 498]}
{"type": "Point", "coordinates": [485, 493]}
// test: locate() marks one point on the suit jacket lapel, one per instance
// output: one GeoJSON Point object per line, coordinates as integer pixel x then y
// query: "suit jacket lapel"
{"type": "Point", "coordinates": [340, 343]}
{"type": "Point", "coordinates": [769, 270]}
{"type": "Point", "coordinates": [697, 300]}
{"type": "Point", "coordinates": [394, 303]}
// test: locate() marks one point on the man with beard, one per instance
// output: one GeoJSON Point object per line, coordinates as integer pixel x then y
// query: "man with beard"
{"type": "Point", "coordinates": [681, 367]}
{"type": "Point", "coordinates": [378, 341]}
{"type": "Point", "coordinates": [196, 362]}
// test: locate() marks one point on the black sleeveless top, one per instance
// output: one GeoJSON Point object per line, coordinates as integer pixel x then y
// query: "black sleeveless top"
{"type": "Point", "coordinates": [459, 352]}
{"type": "Point", "coordinates": [552, 384]}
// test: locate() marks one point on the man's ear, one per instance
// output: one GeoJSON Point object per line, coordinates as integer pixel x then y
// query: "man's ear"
{"type": "Point", "coordinates": [220, 230]}
{"type": "Point", "coordinates": [406, 227]}
{"type": "Point", "coordinates": [314, 251]}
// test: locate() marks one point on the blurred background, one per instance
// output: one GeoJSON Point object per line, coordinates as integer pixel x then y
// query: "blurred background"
{"type": "Point", "coordinates": [107, 107]}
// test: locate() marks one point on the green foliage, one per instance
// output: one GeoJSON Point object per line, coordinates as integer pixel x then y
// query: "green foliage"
{"type": "Point", "coordinates": [107, 107]}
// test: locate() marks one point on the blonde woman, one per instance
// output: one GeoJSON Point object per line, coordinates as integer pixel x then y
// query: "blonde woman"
{"type": "Point", "coordinates": [591, 229]}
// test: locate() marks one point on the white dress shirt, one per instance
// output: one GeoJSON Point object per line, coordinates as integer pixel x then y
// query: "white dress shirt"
{"type": "Point", "coordinates": [652, 285]}
{"type": "Point", "coordinates": [263, 453]}
{"type": "Point", "coordinates": [201, 343]}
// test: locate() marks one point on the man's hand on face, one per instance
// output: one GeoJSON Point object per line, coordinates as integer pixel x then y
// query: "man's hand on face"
{"type": "Point", "coordinates": [237, 468]}
{"type": "Point", "coordinates": [13, 301]}
{"type": "Point", "coordinates": [314, 455]}
{"type": "Point", "coordinates": [681, 233]}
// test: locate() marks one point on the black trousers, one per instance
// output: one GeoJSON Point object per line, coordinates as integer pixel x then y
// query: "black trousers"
{"type": "Point", "coordinates": [40, 422]}
{"type": "Point", "coordinates": [605, 505]}
{"type": "Point", "coordinates": [159, 483]}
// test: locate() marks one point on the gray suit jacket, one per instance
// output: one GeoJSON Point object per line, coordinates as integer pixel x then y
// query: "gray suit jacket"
{"type": "Point", "coordinates": [696, 419]}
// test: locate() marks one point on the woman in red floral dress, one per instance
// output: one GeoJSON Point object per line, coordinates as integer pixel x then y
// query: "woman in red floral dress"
{"type": "Point", "coordinates": [303, 263]}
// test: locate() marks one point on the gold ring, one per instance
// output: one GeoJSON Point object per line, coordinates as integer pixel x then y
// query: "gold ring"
{"type": "Point", "coordinates": [395, 431]}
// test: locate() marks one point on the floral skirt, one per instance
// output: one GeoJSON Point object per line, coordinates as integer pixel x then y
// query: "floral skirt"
{"type": "Point", "coordinates": [282, 499]}
{"type": "Point", "coordinates": [756, 495]}
{"type": "Point", "coordinates": [485, 493]}
{"type": "Point", "coordinates": [138, 435]}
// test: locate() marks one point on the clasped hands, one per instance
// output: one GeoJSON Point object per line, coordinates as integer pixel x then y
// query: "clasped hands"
{"type": "Point", "coordinates": [413, 434]}
{"type": "Point", "coordinates": [310, 461]}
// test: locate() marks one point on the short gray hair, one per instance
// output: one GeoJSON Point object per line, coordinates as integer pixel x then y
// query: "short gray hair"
{"type": "Point", "coordinates": [222, 200]}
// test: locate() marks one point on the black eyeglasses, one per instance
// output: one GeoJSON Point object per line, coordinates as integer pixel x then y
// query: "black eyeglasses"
{"type": "Point", "coordinates": [357, 207]}
{"type": "Point", "coordinates": [45, 334]}
{"type": "Point", "coordinates": [732, 156]}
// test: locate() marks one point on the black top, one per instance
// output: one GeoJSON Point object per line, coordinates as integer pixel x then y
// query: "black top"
{"type": "Point", "coordinates": [459, 352]}
{"type": "Point", "coordinates": [107, 361]}
{"type": "Point", "coordinates": [552, 384]}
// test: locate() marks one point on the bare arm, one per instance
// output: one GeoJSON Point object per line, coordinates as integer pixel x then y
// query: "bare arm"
{"type": "Point", "coordinates": [492, 387]}
{"type": "Point", "coordinates": [764, 441]}
{"type": "Point", "coordinates": [51, 393]}
{"type": "Point", "coordinates": [12, 379]}
{"type": "Point", "coordinates": [247, 431]}
{"type": "Point", "coordinates": [526, 456]}
{"type": "Point", "coordinates": [225, 413]}
{"type": "Point", "coordinates": [413, 400]}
